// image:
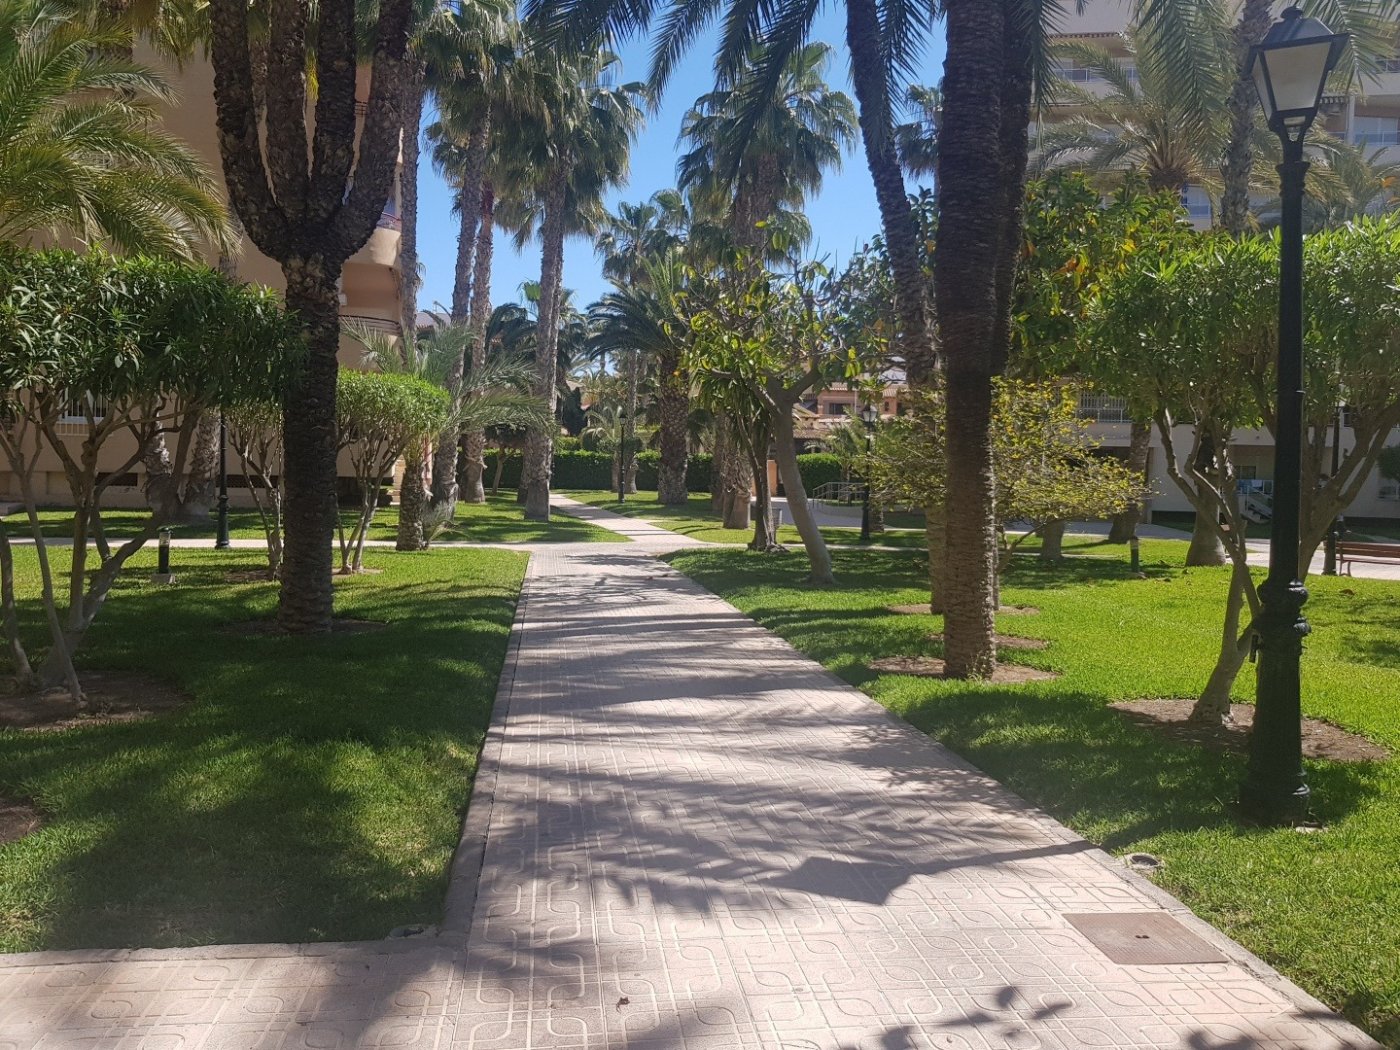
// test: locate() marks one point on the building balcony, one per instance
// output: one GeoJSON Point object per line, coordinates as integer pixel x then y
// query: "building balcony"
{"type": "Point", "coordinates": [382, 248]}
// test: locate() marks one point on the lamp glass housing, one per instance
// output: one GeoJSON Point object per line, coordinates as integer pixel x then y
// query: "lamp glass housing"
{"type": "Point", "coordinates": [1290, 69]}
{"type": "Point", "coordinates": [869, 414]}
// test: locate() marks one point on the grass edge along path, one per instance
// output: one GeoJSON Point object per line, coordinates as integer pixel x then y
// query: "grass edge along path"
{"type": "Point", "coordinates": [499, 520]}
{"type": "Point", "coordinates": [1324, 907]}
{"type": "Point", "coordinates": [697, 521]}
{"type": "Point", "coordinates": [312, 790]}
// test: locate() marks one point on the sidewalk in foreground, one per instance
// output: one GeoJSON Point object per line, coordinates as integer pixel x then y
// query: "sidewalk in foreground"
{"type": "Point", "coordinates": [696, 839]}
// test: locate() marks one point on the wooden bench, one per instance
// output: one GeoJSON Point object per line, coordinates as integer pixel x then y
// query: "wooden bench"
{"type": "Point", "coordinates": [1350, 551]}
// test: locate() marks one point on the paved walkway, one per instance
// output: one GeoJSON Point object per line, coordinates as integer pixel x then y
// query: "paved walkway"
{"type": "Point", "coordinates": [687, 836]}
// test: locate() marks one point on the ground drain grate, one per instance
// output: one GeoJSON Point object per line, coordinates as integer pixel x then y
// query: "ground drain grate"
{"type": "Point", "coordinates": [1147, 938]}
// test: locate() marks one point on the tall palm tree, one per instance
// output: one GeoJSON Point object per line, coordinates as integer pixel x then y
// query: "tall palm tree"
{"type": "Point", "coordinates": [560, 176]}
{"type": "Point", "coordinates": [1143, 128]}
{"type": "Point", "coordinates": [309, 196]}
{"type": "Point", "coordinates": [81, 150]}
{"type": "Point", "coordinates": [645, 318]}
{"type": "Point", "coordinates": [751, 166]}
{"type": "Point", "coordinates": [482, 84]}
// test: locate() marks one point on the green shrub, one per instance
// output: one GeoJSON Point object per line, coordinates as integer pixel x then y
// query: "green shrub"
{"type": "Point", "coordinates": [510, 476]}
{"type": "Point", "coordinates": [699, 472]}
{"type": "Point", "coordinates": [566, 443]}
{"type": "Point", "coordinates": [818, 469]}
{"type": "Point", "coordinates": [582, 470]}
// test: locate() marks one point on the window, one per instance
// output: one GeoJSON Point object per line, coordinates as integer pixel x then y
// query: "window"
{"type": "Point", "coordinates": [1376, 131]}
{"type": "Point", "coordinates": [1390, 490]}
{"type": "Point", "coordinates": [838, 408]}
{"type": "Point", "coordinates": [1078, 74]}
{"type": "Point", "coordinates": [80, 406]}
{"type": "Point", "coordinates": [1196, 202]}
{"type": "Point", "coordinates": [1103, 409]}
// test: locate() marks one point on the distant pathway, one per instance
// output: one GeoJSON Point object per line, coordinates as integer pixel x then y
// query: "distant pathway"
{"type": "Point", "coordinates": [687, 836]}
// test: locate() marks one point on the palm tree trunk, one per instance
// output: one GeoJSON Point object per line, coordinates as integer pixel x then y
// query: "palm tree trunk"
{"type": "Point", "coordinates": [719, 461]}
{"type": "Point", "coordinates": [444, 481]}
{"type": "Point", "coordinates": [785, 451]}
{"type": "Point", "coordinates": [936, 537]}
{"type": "Point", "coordinates": [674, 406]}
{"type": "Point", "coordinates": [966, 268]}
{"type": "Point", "coordinates": [413, 500]}
{"type": "Point", "coordinates": [627, 454]}
{"type": "Point", "coordinates": [1238, 165]}
{"type": "Point", "coordinates": [870, 78]}
{"type": "Point", "coordinates": [1125, 525]}
{"type": "Point", "coordinates": [474, 442]}
{"type": "Point", "coordinates": [738, 483]}
{"type": "Point", "coordinates": [414, 91]}
{"type": "Point", "coordinates": [539, 441]}
{"type": "Point", "coordinates": [309, 448]}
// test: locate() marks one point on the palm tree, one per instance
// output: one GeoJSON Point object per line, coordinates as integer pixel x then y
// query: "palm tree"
{"type": "Point", "coordinates": [645, 318]}
{"type": "Point", "coordinates": [309, 197]}
{"type": "Point", "coordinates": [750, 166]}
{"type": "Point", "coordinates": [81, 153]}
{"type": "Point", "coordinates": [560, 174]}
{"type": "Point", "coordinates": [917, 139]}
{"type": "Point", "coordinates": [1143, 128]}
{"type": "Point", "coordinates": [1346, 182]}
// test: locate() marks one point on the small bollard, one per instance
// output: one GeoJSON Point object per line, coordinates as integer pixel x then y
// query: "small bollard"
{"type": "Point", "coordinates": [163, 573]}
{"type": "Point", "coordinates": [1134, 559]}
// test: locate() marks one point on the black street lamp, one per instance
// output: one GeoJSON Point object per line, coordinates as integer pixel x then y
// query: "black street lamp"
{"type": "Point", "coordinates": [1337, 529]}
{"type": "Point", "coordinates": [869, 415]}
{"type": "Point", "coordinates": [622, 457]}
{"type": "Point", "coordinates": [1290, 70]}
{"type": "Point", "coordinates": [221, 541]}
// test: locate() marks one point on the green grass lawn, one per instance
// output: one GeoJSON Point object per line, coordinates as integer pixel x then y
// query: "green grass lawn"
{"type": "Point", "coordinates": [312, 790]}
{"type": "Point", "coordinates": [696, 520]}
{"type": "Point", "coordinates": [498, 520]}
{"type": "Point", "coordinates": [1324, 907]}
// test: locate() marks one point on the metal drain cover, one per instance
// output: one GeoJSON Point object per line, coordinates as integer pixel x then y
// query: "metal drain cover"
{"type": "Point", "coordinates": [1147, 938]}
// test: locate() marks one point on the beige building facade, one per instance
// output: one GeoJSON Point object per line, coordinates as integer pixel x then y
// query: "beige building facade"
{"type": "Point", "coordinates": [369, 292]}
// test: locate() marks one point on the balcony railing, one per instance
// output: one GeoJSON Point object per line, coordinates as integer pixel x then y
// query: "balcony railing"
{"type": "Point", "coordinates": [1377, 138]}
{"type": "Point", "coordinates": [373, 324]}
{"type": "Point", "coordinates": [1101, 408]}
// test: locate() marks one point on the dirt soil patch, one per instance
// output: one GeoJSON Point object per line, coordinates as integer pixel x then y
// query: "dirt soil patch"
{"type": "Point", "coordinates": [932, 667]}
{"type": "Point", "coordinates": [1320, 739]}
{"type": "Point", "coordinates": [922, 610]}
{"type": "Point", "coordinates": [1006, 641]}
{"type": "Point", "coordinates": [272, 629]}
{"type": "Point", "coordinates": [17, 819]}
{"type": "Point", "coordinates": [113, 696]}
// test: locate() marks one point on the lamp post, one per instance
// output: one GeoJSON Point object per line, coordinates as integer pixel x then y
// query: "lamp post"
{"type": "Point", "coordinates": [221, 541]}
{"type": "Point", "coordinates": [868, 415]}
{"type": "Point", "coordinates": [1338, 526]}
{"type": "Point", "coordinates": [622, 457]}
{"type": "Point", "coordinates": [1290, 69]}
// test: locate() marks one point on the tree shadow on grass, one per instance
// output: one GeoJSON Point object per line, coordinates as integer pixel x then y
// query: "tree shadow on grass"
{"type": "Point", "coordinates": [1088, 766]}
{"type": "Point", "coordinates": [312, 791]}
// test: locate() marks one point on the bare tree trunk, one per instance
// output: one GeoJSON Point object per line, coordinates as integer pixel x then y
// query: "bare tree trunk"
{"type": "Point", "coordinates": [1205, 548]}
{"type": "Point", "coordinates": [765, 537]}
{"type": "Point", "coordinates": [539, 441]}
{"type": "Point", "coordinates": [738, 484]}
{"type": "Point", "coordinates": [785, 450]}
{"type": "Point", "coordinates": [936, 537]}
{"type": "Point", "coordinates": [474, 443]}
{"type": "Point", "coordinates": [19, 659]}
{"type": "Point", "coordinates": [1238, 166]}
{"type": "Point", "coordinates": [1125, 525]}
{"type": "Point", "coordinates": [187, 498]}
{"type": "Point", "coordinates": [1052, 535]}
{"type": "Point", "coordinates": [719, 464]}
{"type": "Point", "coordinates": [1213, 706]}
{"type": "Point", "coordinates": [414, 90]}
{"type": "Point", "coordinates": [413, 500]}
{"type": "Point", "coordinates": [674, 408]}
{"type": "Point", "coordinates": [309, 449]}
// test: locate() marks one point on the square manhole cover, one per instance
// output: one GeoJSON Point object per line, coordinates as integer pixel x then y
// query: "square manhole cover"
{"type": "Point", "coordinates": [1146, 938]}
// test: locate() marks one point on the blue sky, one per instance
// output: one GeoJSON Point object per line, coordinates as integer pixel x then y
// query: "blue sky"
{"type": "Point", "coordinates": [843, 215]}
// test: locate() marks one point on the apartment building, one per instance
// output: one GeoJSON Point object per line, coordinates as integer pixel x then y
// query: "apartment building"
{"type": "Point", "coordinates": [369, 292]}
{"type": "Point", "coordinates": [1369, 118]}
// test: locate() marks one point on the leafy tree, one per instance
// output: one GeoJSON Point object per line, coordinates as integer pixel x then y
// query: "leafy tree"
{"type": "Point", "coordinates": [309, 196]}
{"type": "Point", "coordinates": [255, 432]}
{"type": "Point", "coordinates": [122, 350]}
{"type": "Point", "coordinates": [762, 344]}
{"type": "Point", "coordinates": [1194, 337]}
{"type": "Point", "coordinates": [379, 416]}
{"type": "Point", "coordinates": [81, 150]}
{"type": "Point", "coordinates": [1047, 469]}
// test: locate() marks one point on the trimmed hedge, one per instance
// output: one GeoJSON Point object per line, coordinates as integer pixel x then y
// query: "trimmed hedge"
{"type": "Point", "coordinates": [697, 470]}
{"type": "Point", "coordinates": [593, 470]}
{"type": "Point", "coordinates": [818, 469]}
